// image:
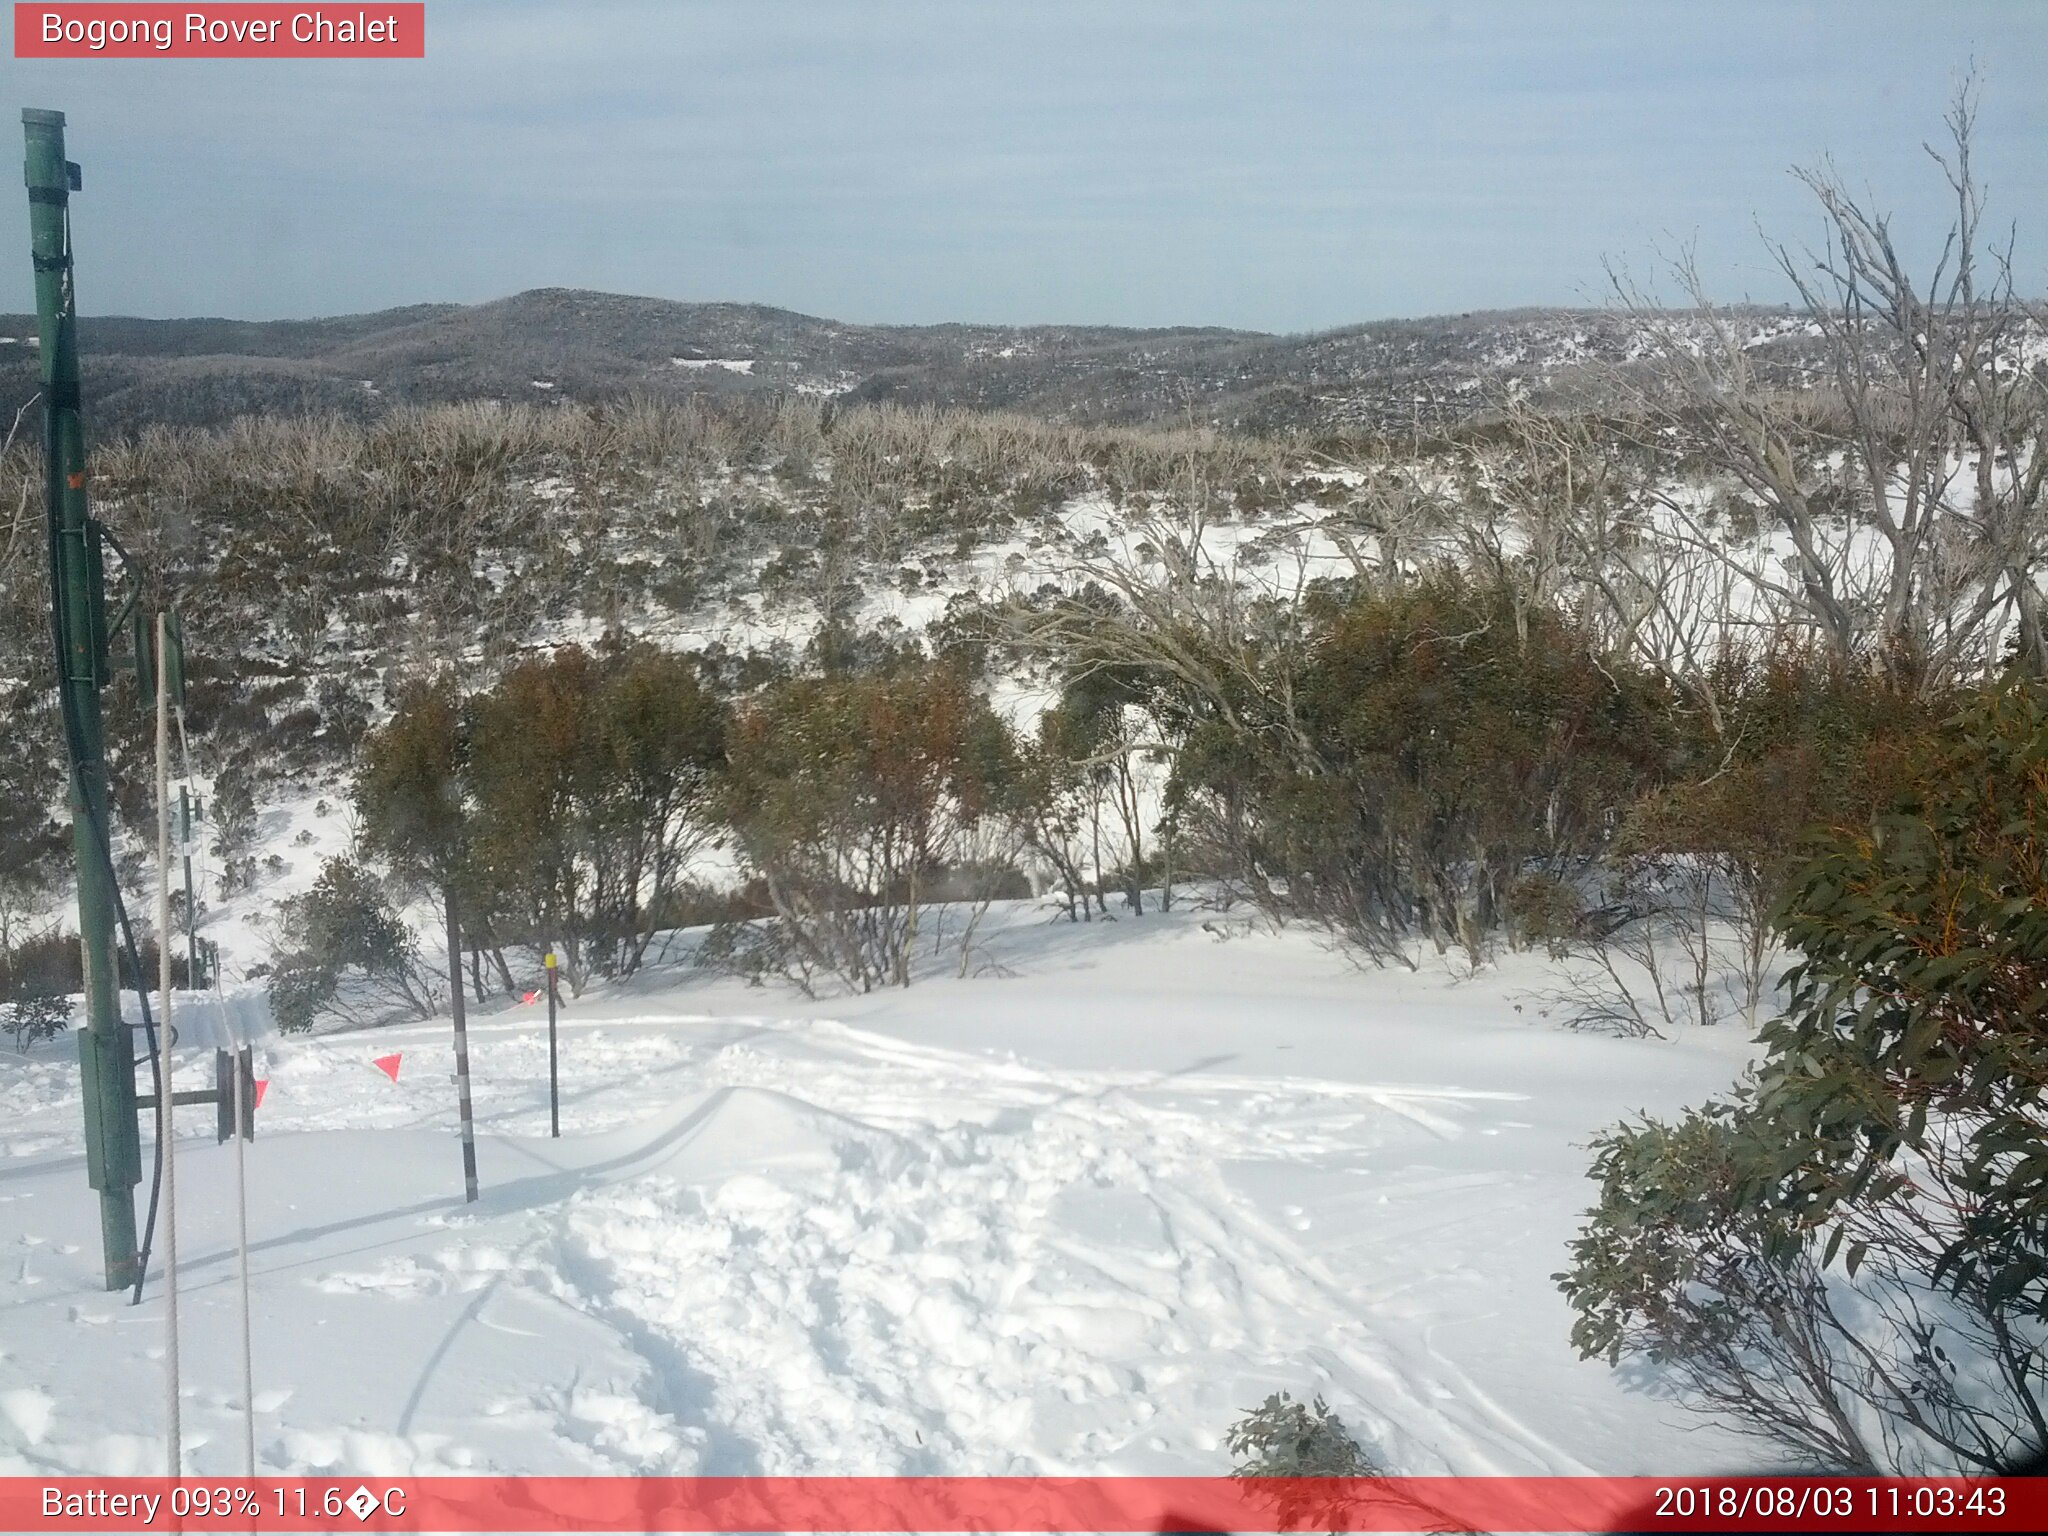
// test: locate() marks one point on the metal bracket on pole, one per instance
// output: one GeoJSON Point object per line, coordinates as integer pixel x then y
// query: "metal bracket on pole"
{"type": "Point", "coordinates": [227, 1093]}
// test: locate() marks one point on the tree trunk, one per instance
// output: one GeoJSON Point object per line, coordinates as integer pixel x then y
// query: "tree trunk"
{"type": "Point", "coordinates": [909, 935]}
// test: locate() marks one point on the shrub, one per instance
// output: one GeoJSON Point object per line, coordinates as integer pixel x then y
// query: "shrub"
{"type": "Point", "coordinates": [1679, 1268]}
{"type": "Point", "coordinates": [849, 796]}
{"type": "Point", "coordinates": [51, 962]}
{"type": "Point", "coordinates": [1896, 1125]}
{"type": "Point", "coordinates": [233, 814]}
{"type": "Point", "coordinates": [344, 932]}
{"type": "Point", "coordinates": [1545, 909]}
{"type": "Point", "coordinates": [1287, 1442]}
{"type": "Point", "coordinates": [1437, 742]}
{"type": "Point", "coordinates": [38, 1012]}
{"type": "Point", "coordinates": [1283, 1438]}
{"type": "Point", "coordinates": [1802, 742]}
{"type": "Point", "coordinates": [589, 779]}
{"type": "Point", "coordinates": [1918, 1022]}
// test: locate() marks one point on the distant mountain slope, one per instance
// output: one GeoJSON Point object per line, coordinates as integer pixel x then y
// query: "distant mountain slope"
{"type": "Point", "coordinates": [574, 344]}
{"type": "Point", "coordinates": [243, 338]}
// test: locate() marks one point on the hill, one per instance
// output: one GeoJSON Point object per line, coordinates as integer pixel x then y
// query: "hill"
{"type": "Point", "coordinates": [572, 344]}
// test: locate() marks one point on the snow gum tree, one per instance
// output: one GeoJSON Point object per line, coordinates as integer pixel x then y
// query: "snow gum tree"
{"type": "Point", "coordinates": [1902, 480]}
{"type": "Point", "coordinates": [415, 816]}
{"type": "Point", "coordinates": [590, 775]}
{"type": "Point", "coordinates": [851, 796]}
{"type": "Point", "coordinates": [660, 744]}
{"type": "Point", "coordinates": [1058, 795]}
{"type": "Point", "coordinates": [409, 794]}
{"type": "Point", "coordinates": [531, 770]}
{"type": "Point", "coordinates": [1850, 1257]}
{"type": "Point", "coordinates": [1442, 743]}
{"type": "Point", "coordinates": [1097, 727]}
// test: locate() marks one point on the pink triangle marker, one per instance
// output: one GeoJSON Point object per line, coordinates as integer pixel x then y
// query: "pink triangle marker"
{"type": "Point", "coordinates": [388, 1065]}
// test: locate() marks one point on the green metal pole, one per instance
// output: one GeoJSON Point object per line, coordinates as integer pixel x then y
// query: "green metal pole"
{"type": "Point", "coordinates": [113, 1152]}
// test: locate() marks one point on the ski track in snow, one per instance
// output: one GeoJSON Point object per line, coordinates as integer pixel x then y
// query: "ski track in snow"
{"type": "Point", "coordinates": [985, 1257]}
{"type": "Point", "coordinates": [804, 1245]}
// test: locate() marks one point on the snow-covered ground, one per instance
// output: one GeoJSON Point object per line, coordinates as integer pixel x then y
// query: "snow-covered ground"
{"type": "Point", "coordinates": [1073, 1214]}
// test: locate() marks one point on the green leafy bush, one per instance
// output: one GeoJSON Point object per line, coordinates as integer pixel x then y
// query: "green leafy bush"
{"type": "Point", "coordinates": [1284, 1438]}
{"type": "Point", "coordinates": [37, 1012]}
{"type": "Point", "coordinates": [345, 930]}
{"type": "Point", "coordinates": [1438, 742]}
{"type": "Point", "coordinates": [853, 797]}
{"type": "Point", "coordinates": [1915, 1047]}
{"type": "Point", "coordinates": [1299, 1451]}
{"type": "Point", "coordinates": [1850, 1257]}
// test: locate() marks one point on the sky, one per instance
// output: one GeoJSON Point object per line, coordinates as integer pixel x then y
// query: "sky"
{"type": "Point", "coordinates": [1274, 165]}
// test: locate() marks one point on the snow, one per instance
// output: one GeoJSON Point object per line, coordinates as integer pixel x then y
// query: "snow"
{"type": "Point", "coordinates": [729, 364]}
{"type": "Point", "coordinates": [305, 826]}
{"type": "Point", "coordinates": [1073, 1214]}
{"type": "Point", "coordinates": [27, 1412]}
{"type": "Point", "coordinates": [825, 389]}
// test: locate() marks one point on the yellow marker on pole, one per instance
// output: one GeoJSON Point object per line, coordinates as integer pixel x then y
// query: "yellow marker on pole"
{"type": "Point", "coordinates": [554, 1085]}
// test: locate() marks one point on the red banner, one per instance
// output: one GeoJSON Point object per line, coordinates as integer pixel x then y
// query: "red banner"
{"type": "Point", "coordinates": [262, 31]}
{"type": "Point", "coordinates": [1063, 1504]}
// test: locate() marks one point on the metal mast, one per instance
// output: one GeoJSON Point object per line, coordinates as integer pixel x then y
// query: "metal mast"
{"type": "Point", "coordinates": [79, 632]}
